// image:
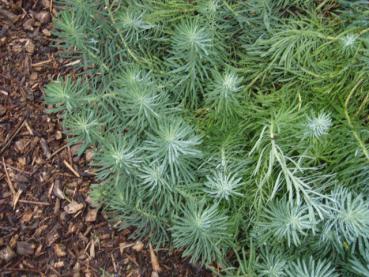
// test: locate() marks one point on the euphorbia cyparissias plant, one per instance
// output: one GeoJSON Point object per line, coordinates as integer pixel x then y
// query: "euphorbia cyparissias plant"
{"type": "Point", "coordinates": [234, 131]}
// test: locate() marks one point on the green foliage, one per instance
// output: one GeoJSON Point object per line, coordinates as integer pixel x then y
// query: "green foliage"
{"type": "Point", "coordinates": [202, 233]}
{"type": "Point", "coordinates": [349, 216]}
{"type": "Point", "coordinates": [144, 102]}
{"type": "Point", "coordinates": [271, 264]}
{"type": "Point", "coordinates": [62, 95]}
{"type": "Point", "coordinates": [311, 268]}
{"type": "Point", "coordinates": [85, 127]}
{"type": "Point", "coordinates": [173, 143]}
{"type": "Point", "coordinates": [222, 185]}
{"type": "Point", "coordinates": [359, 265]}
{"type": "Point", "coordinates": [223, 98]}
{"type": "Point", "coordinates": [281, 221]}
{"type": "Point", "coordinates": [234, 131]}
{"type": "Point", "coordinates": [116, 155]}
{"type": "Point", "coordinates": [192, 53]}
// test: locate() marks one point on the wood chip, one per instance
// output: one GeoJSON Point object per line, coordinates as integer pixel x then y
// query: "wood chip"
{"type": "Point", "coordinates": [40, 230]}
{"type": "Point", "coordinates": [57, 191]}
{"type": "Point", "coordinates": [58, 264]}
{"type": "Point", "coordinates": [39, 64]}
{"type": "Point", "coordinates": [113, 262]}
{"type": "Point", "coordinates": [29, 129]}
{"type": "Point", "coordinates": [91, 215]}
{"type": "Point", "coordinates": [57, 206]}
{"type": "Point", "coordinates": [76, 270]}
{"type": "Point", "coordinates": [17, 197]}
{"type": "Point", "coordinates": [30, 47]}
{"type": "Point", "coordinates": [73, 63]}
{"type": "Point", "coordinates": [20, 178]}
{"type": "Point", "coordinates": [89, 201]}
{"type": "Point", "coordinates": [85, 233]}
{"type": "Point", "coordinates": [73, 207]}
{"type": "Point", "coordinates": [34, 202]}
{"type": "Point", "coordinates": [46, 32]}
{"type": "Point", "coordinates": [71, 169]}
{"type": "Point", "coordinates": [22, 162]}
{"type": "Point", "coordinates": [72, 228]}
{"type": "Point", "coordinates": [107, 236]}
{"type": "Point", "coordinates": [123, 246]}
{"type": "Point", "coordinates": [154, 260]}
{"type": "Point", "coordinates": [38, 251]}
{"type": "Point", "coordinates": [11, 16]}
{"type": "Point", "coordinates": [58, 135]}
{"type": "Point", "coordinates": [28, 25]}
{"type": "Point", "coordinates": [89, 155]}
{"type": "Point", "coordinates": [138, 246]}
{"type": "Point", "coordinates": [52, 236]}
{"type": "Point", "coordinates": [7, 254]}
{"type": "Point", "coordinates": [43, 16]}
{"type": "Point", "coordinates": [22, 181]}
{"type": "Point", "coordinates": [9, 182]}
{"type": "Point", "coordinates": [45, 148]}
{"type": "Point", "coordinates": [21, 145]}
{"type": "Point", "coordinates": [25, 248]}
{"type": "Point", "coordinates": [4, 92]}
{"type": "Point", "coordinates": [33, 76]}
{"type": "Point", "coordinates": [13, 241]}
{"type": "Point", "coordinates": [59, 250]}
{"type": "Point", "coordinates": [27, 216]}
{"type": "Point", "coordinates": [92, 249]}
{"type": "Point", "coordinates": [46, 3]}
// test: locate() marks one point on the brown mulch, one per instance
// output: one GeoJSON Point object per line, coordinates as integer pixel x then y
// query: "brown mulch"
{"type": "Point", "coordinates": [47, 227]}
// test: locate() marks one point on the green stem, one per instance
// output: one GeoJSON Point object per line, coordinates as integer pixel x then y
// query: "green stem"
{"type": "Point", "coordinates": [130, 52]}
{"type": "Point", "coordinates": [90, 53]}
{"type": "Point", "coordinates": [322, 4]}
{"type": "Point", "coordinates": [230, 9]}
{"type": "Point", "coordinates": [356, 135]}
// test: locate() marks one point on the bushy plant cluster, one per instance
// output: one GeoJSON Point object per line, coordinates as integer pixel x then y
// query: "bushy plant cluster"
{"type": "Point", "coordinates": [235, 131]}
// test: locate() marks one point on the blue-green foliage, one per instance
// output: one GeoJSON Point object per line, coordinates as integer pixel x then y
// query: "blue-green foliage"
{"type": "Point", "coordinates": [226, 129]}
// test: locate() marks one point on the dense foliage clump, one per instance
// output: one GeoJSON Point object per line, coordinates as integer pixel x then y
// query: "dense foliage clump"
{"type": "Point", "coordinates": [235, 131]}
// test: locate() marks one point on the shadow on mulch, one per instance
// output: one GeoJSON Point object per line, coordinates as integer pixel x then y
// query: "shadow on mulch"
{"type": "Point", "coordinates": [47, 227]}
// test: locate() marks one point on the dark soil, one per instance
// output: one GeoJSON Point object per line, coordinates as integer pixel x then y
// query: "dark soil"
{"type": "Point", "coordinates": [47, 227]}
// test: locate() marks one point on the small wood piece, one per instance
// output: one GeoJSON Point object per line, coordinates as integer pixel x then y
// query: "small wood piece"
{"type": "Point", "coordinates": [45, 148]}
{"type": "Point", "coordinates": [154, 260]}
{"type": "Point", "coordinates": [25, 248]}
{"type": "Point", "coordinates": [58, 151]}
{"type": "Point", "coordinates": [28, 128]}
{"type": "Point", "coordinates": [12, 136]}
{"type": "Point", "coordinates": [11, 16]}
{"type": "Point", "coordinates": [4, 92]}
{"type": "Point", "coordinates": [9, 182]}
{"type": "Point", "coordinates": [34, 202]}
{"type": "Point", "coordinates": [38, 64]}
{"type": "Point", "coordinates": [16, 198]}
{"type": "Point", "coordinates": [73, 207]}
{"type": "Point", "coordinates": [71, 169]}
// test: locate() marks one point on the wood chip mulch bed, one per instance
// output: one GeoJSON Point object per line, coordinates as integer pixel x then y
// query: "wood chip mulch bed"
{"type": "Point", "coordinates": [47, 227]}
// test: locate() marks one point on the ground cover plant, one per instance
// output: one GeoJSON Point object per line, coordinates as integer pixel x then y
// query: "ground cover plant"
{"type": "Point", "coordinates": [235, 131]}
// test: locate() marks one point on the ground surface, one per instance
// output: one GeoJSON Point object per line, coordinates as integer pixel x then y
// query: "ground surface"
{"type": "Point", "coordinates": [47, 227]}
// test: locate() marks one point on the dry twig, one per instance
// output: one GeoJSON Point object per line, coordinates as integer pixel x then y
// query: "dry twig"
{"type": "Point", "coordinates": [71, 169]}
{"type": "Point", "coordinates": [34, 202]}
{"type": "Point", "coordinates": [10, 184]}
{"type": "Point", "coordinates": [12, 136]}
{"type": "Point", "coordinates": [154, 260]}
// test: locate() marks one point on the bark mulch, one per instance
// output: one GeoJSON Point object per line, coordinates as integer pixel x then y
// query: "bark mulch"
{"type": "Point", "coordinates": [47, 227]}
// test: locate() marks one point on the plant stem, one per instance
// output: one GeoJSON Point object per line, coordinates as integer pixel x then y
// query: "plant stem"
{"type": "Point", "coordinates": [356, 135]}
{"type": "Point", "coordinates": [130, 52]}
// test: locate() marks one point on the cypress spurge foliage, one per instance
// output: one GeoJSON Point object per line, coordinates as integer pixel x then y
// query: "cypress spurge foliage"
{"type": "Point", "coordinates": [234, 131]}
